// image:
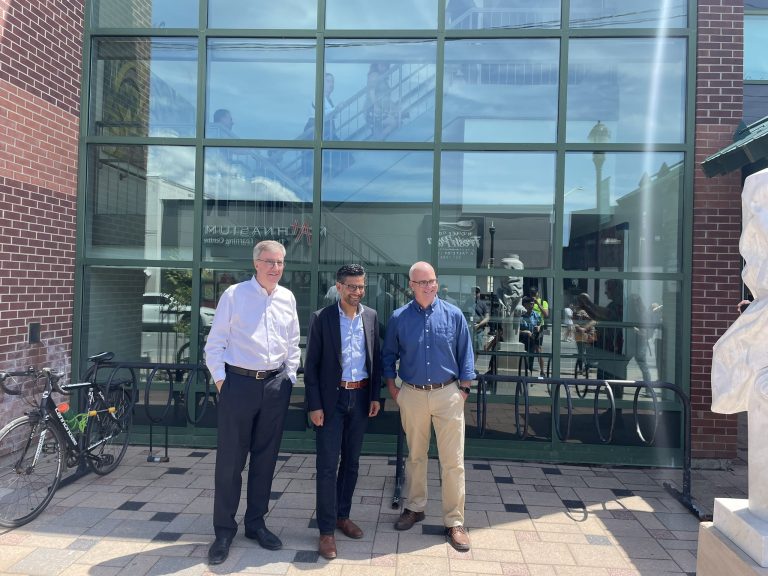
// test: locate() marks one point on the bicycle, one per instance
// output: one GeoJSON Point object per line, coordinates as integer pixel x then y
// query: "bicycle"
{"type": "Point", "coordinates": [34, 448]}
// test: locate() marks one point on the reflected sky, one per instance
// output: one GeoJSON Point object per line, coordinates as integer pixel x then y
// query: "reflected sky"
{"type": "Point", "coordinates": [498, 178]}
{"type": "Point", "coordinates": [378, 15]}
{"type": "Point", "coordinates": [610, 81]}
{"type": "Point", "coordinates": [145, 13]}
{"type": "Point", "coordinates": [755, 41]}
{"type": "Point", "coordinates": [262, 14]}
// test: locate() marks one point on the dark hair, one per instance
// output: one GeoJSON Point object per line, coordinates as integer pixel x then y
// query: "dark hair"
{"type": "Point", "coordinates": [533, 290]}
{"type": "Point", "coordinates": [220, 114]}
{"type": "Point", "coordinates": [349, 270]}
{"type": "Point", "coordinates": [527, 300]}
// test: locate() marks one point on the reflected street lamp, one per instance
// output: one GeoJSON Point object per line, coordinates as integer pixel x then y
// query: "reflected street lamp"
{"type": "Point", "coordinates": [600, 135]}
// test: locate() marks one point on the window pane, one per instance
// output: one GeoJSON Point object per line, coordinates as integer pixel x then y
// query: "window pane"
{"type": "Point", "coordinates": [139, 202]}
{"type": "Point", "coordinates": [259, 88]}
{"type": "Point", "coordinates": [510, 14]}
{"type": "Point", "coordinates": [755, 102]}
{"type": "Point", "coordinates": [622, 211]}
{"type": "Point", "coordinates": [755, 42]}
{"type": "Point", "coordinates": [383, 90]}
{"type": "Point", "coordinates": [144, 87]}
{"type": "Point", "coordinates": [262, 14]}
{"type": "Point", "coordinates": [140, 313]}
{"type": "Point", "coordinates": [500, 90]}
{"type": "Point", "coordinates": [249, 197]}
{"type": "Point", "coordinates": [635, 86]}
{"type": "Point", "coordinates": [496, 206]}
{"type": "Point", "coordinates": [378, 15]}
{"type": "Point", "coordinates": [623, 329]}
{"type": "Point", "coordinates": [378, 211]}
{"type": "Point", "coordinates": [144, 13]}
{"type": "Point", "coordinates": [623, 14]}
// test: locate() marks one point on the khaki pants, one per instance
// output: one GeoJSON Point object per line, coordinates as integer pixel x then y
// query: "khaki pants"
{"type": "Point", "coordinates": [419, 411]}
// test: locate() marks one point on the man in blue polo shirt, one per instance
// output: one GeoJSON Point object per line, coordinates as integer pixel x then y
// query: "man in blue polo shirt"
{"type": "Point", "coordinates": [432, 341]}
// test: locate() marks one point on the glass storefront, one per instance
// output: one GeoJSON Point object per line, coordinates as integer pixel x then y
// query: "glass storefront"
{"type": "Point", "coordinates": [520, 147]}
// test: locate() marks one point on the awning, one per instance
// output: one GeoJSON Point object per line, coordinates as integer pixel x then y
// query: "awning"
{"type": "Point", "coordinates": [751, 146]}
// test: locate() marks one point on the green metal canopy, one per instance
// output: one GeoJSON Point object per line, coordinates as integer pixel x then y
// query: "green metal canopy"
{"type": "Point", "coordinates": [751, 146]}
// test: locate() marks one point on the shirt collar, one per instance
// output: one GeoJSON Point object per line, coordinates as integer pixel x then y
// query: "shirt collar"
{"type": "Point", "coordinates": [357, 312]}
{"type": "Point", "coordinates": [431, 306]}
{"type": "Point", "coordinates": [261, 289]}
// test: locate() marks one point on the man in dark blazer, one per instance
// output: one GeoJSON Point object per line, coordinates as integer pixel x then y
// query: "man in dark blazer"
{"type": "Point", "coordinates": [342, 375]}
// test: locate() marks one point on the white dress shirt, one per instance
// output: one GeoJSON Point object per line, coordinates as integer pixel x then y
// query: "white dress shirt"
{"type": "Point", "coordinates": [254, 330]}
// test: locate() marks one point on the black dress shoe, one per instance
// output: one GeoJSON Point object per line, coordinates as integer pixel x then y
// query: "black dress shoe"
{"type": "Point", "coordinates": [219, 550]}
{"type": "Point", "coordinates": [265, 538]}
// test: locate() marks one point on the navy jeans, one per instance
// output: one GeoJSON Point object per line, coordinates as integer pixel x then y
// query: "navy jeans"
{"type": "Point", "coordinates": [340, 436]}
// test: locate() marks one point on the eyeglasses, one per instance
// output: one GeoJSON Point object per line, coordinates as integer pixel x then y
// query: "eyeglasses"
{"type": "Point", "coordinates": [425, 283]}
{"type": "Point", "coordinates": [273, 263]}
{"type": "Point", "coordinates": [355, 287]}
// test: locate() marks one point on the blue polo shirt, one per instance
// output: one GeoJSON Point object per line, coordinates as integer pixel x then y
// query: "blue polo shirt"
{"type": "Point", "coordinates": [433, 344]}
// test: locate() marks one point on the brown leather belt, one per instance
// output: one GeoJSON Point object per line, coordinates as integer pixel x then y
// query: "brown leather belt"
{"type": "Point", "coordinates": [354, 385]}
{"type": "Point", "coordinates": [257, 374]}
{"type": "Point", "coordinates": [431, 386]}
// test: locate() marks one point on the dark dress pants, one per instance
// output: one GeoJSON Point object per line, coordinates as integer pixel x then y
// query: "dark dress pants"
{"type": "Point", "coordinates": [340, 436]}
{"type": "Point", "coordinates": [250, 415]}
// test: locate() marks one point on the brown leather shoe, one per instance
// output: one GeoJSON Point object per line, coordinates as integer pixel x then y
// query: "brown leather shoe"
{"type": "Point", "coordinates": [327, 546]}
{"type": "Point", "coordinates": [407, 519]}
{"type": "Point", "coordinates": [349, 528]}
{"type": "Point", "coordinates": [458, 538]}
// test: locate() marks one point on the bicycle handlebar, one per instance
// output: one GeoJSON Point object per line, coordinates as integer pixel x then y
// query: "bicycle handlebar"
{"type": "Point", "coordinates": [30, 371]}
{"type": "Point", "coordinates": [53, 378]}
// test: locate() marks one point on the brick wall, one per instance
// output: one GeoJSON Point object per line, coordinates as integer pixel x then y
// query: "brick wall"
{"type": "Point", "coordinates": [716, 215]}
{"type": "Point", "coordinates": [40, 60]}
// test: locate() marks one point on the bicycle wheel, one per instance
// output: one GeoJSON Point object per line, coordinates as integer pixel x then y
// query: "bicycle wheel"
{"type": "Point", "coordinates": [107, 434]}
{"type": "Point", "coordinates": [32, 456]}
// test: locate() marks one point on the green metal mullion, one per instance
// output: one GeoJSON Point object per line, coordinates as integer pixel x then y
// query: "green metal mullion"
{"type": "Point", "coordinates": [145, 32]}
{"type": "Point", "coordinates": [80, 201]}
{"type": "Point", "coordinates": [197, 211]}
{"type": "Point", "coordinates": [140, 141]}
{"type": "Point", "coordinates": [438, 136]}
{"type": "Point", "coordinates": [684, 353]}
{"type": "Point", "coordinates": [317, 155]}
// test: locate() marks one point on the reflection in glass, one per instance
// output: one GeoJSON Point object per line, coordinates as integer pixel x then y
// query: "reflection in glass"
{"type": "Point", "coordinates": [144, 13]}
{"type": "Point", "coordinates": [635, 86]}
{"type": "Point", "coordinates": [259, 88]}
{"type": "Point", "coordinates": [139, 202]}
{"type": "Point", "coordinates": [622, 211]}
{"type": "Point", "coordinates": [140, 313]}
{"type": "Point", "coordinates": [755, 41]}
{"type": "Point", "coordinates": [755, 98]}
{"type": "Point", "coordinates": [377, 15]}
{"type": "Point", "coordinates": [496, 205]}
{"type": "Point", "coordinates": [378, 211]}
{"type": "Point", "coordinates": [144, 87]}
{"type": "Point", "coordinates": [262, 14]}
{"type": "Point", "coordinates": [254, 194]}
{"type": "Point", "coordinates": [509, 14]}
{"type": "Point", "coordinates": [500, 90]}
{"type": "Point", "coordinates": [623, 329]}
{"type": "Point", "coordinates": [383, 90]}
{"type": "Point", "coordinates": [623, 14]}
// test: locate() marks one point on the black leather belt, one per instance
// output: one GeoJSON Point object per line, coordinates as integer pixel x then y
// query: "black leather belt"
{"type": "Point", "coordinates": [257, 374]}
{"type": "Point", "coordinates": [431, 386]}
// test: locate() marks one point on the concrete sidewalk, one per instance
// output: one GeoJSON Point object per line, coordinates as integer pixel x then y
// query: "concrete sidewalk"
{"type": "Point", "coordinates": [524, 519]}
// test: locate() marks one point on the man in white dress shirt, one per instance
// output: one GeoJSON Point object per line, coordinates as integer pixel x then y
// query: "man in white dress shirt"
{"type": "Point", "coordinates": [252, 353]}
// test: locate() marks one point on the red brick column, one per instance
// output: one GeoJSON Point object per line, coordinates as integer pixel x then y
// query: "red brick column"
{"type": "Point", "coordinates": [716, 215]}
{"type": "Point", "coordinates": [40, 60]}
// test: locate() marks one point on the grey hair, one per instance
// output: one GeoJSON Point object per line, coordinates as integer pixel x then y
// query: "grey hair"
{"type": "Point", "coordinates": [268, 246]}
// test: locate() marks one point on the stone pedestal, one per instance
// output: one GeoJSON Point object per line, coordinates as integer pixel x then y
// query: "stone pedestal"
{"type": "Point", "coordinates": [717, 555]}
{"type": "Point", "coordinates": [734, 520]}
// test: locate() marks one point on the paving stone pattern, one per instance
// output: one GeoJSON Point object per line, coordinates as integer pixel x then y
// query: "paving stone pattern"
{"type": "Point", "coordinates": [525, 519]}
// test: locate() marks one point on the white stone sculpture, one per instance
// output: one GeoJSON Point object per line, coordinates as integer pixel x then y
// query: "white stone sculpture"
{"type": "Point", "coordinates": [740, 378]}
